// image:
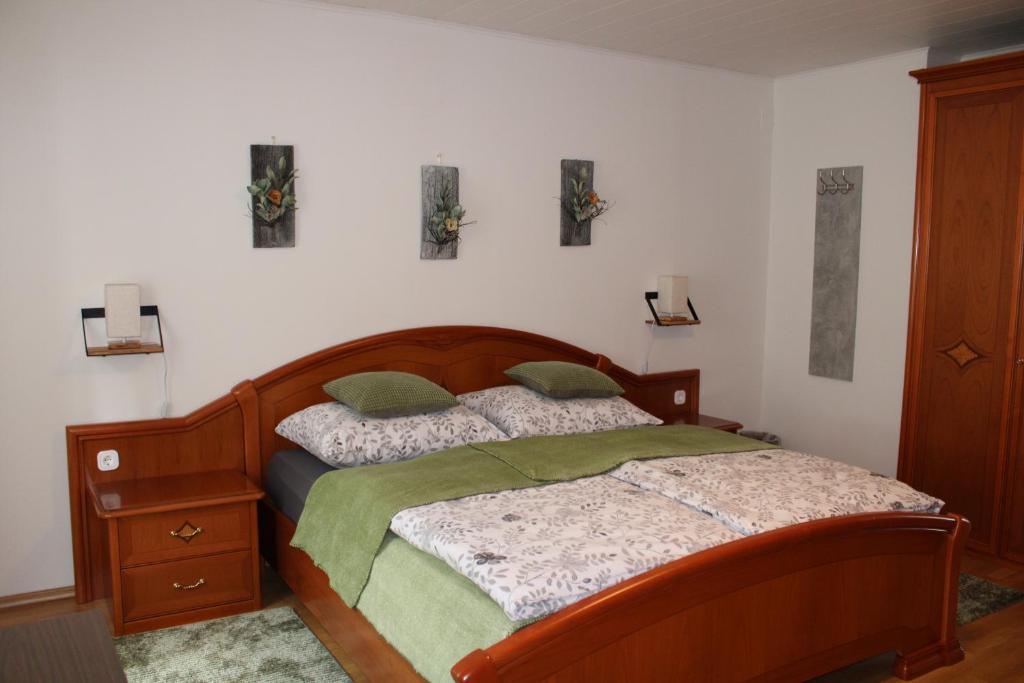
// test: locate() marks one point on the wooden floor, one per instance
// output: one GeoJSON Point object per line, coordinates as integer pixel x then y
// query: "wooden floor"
{"type": "Point", "coordinates": [994, 644]}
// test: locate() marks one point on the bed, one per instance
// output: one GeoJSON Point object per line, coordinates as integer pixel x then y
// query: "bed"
{"type": "Point", "coordinates": [787, 604]}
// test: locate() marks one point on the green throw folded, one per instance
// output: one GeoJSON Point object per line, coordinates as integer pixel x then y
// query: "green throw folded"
{"type": "Point", "coordinates": [561, 458]}
{"type": "Point", "coordinates": [348, 511]}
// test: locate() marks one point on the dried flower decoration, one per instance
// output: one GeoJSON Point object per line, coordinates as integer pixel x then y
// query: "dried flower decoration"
{"type": "Point", "coordinates": [274, 193]}
{"type": "Point", "coordinates": [446, 221]}
{"type": "Point", "coordinates": [583, 204]}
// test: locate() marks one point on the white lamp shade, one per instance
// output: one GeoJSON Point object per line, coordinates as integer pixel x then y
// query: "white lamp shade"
{"type": "Point", "coordinates": [673, 291]}
{"type": "Point", "coordinates": [121, 310]}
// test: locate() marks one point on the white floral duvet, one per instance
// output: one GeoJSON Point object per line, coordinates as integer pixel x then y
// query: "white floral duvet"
{"type": "Point", "coordinates": [764, 490]}
{"type": "Point", "coordinates": [537, 550]}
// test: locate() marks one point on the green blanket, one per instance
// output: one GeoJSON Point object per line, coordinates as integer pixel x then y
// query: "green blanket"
{"type": "Point", "coordinates": [561, 458]}
{"type": "Point", "coordinates": [432, 628]}
{"type": "Point", "coordinates": [348, 511]}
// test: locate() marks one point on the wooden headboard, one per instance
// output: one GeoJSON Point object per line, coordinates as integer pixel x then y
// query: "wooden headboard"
{"type": "Point", "coordinates": [237, 431]}
{"type": "Point", "coordinates": [461, 359]}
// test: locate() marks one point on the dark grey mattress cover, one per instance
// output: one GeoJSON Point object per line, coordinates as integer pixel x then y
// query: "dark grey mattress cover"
{"type": "Point", "coordinates": [289, 477]}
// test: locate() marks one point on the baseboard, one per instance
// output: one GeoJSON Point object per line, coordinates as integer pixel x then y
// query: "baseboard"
{"type": "Point", "coordinates": [36, 597]}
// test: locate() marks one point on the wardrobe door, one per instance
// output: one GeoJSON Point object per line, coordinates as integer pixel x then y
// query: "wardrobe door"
{"type": "Point", "coordinates": [963, 322]}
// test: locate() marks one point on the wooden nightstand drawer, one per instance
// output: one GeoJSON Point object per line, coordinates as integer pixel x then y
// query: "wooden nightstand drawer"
{"type": "Point", "coordinates": [183, 533]}
{"type": "Point", "coordinates": [186, 584]}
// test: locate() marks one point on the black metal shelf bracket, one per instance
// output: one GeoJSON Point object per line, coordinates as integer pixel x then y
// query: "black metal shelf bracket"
{"type": "Point", "coordinates": [653, 296]}
{"type": "Point", "coordinates": [92, 313]}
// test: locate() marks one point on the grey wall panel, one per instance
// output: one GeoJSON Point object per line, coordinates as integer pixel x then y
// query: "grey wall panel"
{"type": "Point", "coordinates": [836, 273]}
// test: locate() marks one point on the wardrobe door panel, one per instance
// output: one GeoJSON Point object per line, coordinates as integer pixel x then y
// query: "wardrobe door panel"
{"type": "Point", "coordinates": [965, 353]}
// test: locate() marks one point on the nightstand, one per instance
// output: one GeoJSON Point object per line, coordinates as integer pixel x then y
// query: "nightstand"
{"type": "Point", "coordinates": [714, 423]}
{"type": "Point", "coordinates": [180, 548]}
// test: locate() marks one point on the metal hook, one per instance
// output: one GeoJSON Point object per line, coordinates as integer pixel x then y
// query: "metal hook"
{"type": "Point", "coordinates": [835, 186]}
{"type": "Point", "coordinates": [821, 180]}
{"type": "Point", "coordinates": [847, 185]}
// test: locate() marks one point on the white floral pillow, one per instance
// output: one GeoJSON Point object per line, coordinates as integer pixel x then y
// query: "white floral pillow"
{"type": "Point", "coordinates": [341, 437]}
{"type": "Point", "coordinates": [520, 412]}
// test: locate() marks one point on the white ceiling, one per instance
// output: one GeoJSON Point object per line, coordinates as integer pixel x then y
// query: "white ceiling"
{"type": "Point", "coordinates": [770, 37]}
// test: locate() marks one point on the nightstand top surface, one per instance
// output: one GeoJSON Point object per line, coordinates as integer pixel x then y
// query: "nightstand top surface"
{"type": "Point", "coordinates": [713, 422]}
{"type": "Point", "coordinates": [161, 494]}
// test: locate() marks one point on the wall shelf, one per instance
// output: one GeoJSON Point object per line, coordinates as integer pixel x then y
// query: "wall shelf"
{"type": "Point", "coordinates": [119, 350]}
{"type": "Point", "coordinates": [670, 322]}
{"type": "Point", "coordinates": [127, 351]}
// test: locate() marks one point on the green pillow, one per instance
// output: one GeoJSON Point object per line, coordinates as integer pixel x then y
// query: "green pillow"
{"type": "Point", "coordinates": [565, 380]}
{"type": "Point", "coordinates": [389, 394]}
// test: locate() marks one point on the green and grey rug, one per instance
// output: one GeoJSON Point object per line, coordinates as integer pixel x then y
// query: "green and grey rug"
{"type": "Point", "coordinates": [979, 598]}
{"type": "Point", "coordinates": [272, 646]}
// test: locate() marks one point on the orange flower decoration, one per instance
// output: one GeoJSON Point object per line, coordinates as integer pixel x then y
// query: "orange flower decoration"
{"type": "Point", "coordinates": [593, 198]}
{"type": "Point", "coordinates": [274, 196]}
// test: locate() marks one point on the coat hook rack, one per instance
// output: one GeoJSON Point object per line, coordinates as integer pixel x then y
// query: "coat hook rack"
{"type": "Point", "coordinates": [831, 185]}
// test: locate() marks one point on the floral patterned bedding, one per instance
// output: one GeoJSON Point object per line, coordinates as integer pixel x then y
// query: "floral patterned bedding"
{"type": "Point", "coordinates": [764, 490]}
{"type": "Point", "coordinates": [537, 550]}
{"type": "Point", "coordinates": [342, 437]}
{"type": "Point", "coordinates": [522, 412]}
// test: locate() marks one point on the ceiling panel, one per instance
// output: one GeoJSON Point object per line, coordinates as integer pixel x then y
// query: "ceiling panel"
{"type": "Point", "coordinates": [768, 37]}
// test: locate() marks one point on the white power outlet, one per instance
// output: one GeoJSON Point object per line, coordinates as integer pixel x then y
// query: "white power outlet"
{"type": "Point", "coordinates": [680, 397]}
{"type": "Point", "coordinates": [108, 460]}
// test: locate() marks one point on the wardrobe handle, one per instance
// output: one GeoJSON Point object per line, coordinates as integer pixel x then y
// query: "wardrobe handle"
{"type": "Point", "coordinates": [1020, 361]}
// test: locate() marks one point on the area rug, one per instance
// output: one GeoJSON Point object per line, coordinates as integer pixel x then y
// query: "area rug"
{"type": "Point", "coordinates": [272, 646]}
{"type": "Point", "coordinates": [979, 598]}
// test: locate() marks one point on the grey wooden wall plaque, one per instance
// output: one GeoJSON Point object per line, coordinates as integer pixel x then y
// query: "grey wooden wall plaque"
{"type": "Point", "coordinates": [436, 181]}
{"type": "Point", "coordinates": [836, 272]}
{"type": "Point", "coordinates": [574, 234]}
{"type": "Point", "coordinates": [265, 160]}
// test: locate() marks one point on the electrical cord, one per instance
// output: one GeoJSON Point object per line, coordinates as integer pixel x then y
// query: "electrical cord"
{"type": "Point", "coordinates": [165, 406]}
{"type": "Point", "coordinates": [650, 347]}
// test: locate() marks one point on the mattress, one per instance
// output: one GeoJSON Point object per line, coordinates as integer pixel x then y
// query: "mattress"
{"type": "Point", "coordinates": [289, 477]}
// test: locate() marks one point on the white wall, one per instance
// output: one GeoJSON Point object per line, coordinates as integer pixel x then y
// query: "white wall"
{"type": "Point", "coordinates": [858, 114]}
{"type": "Point", "coordinates": [124, 130]}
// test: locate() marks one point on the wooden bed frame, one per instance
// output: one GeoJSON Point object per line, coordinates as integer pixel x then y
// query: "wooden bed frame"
{"type": "Point", "coordinates": [785, 605]}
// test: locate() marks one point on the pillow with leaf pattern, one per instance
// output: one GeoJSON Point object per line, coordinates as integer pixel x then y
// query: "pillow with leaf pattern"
{"type": "Point", "coordinates": [340, 436]}
{"type": "Point", "coordinates": [521, 412]}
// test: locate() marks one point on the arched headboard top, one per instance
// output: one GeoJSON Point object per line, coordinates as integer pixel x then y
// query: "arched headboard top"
{"type": "Point", "coordinates": [459, 358]}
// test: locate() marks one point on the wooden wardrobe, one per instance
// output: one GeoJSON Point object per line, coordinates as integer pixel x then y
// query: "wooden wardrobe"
{"type": "Point", "coordinates": [963, 399]}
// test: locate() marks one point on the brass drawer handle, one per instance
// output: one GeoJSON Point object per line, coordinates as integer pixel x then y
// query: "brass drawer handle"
{"type": "Point", "coordinates": [191, 586]}
{"type": "Point", "coordinates": [187, 535]}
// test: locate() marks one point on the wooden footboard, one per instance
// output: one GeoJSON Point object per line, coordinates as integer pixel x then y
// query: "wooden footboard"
{"type": "Point", "coordinates": [782, 606]}
{"type": "Point", "coordinates": [787, 605]}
